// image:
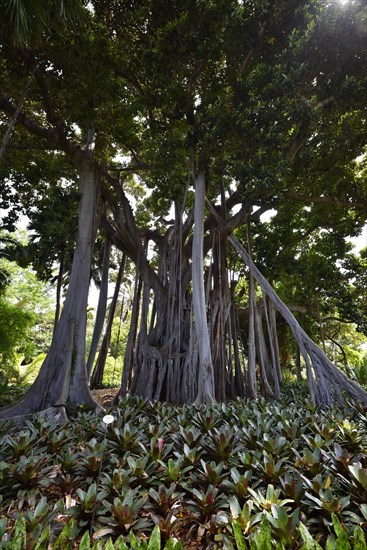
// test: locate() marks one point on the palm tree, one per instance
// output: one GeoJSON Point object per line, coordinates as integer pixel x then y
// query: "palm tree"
{"type": "Point", "coordinates": [26, 25]}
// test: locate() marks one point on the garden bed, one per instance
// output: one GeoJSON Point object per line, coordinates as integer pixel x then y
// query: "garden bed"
{"type": "Point", "coordinates": [204, 475]}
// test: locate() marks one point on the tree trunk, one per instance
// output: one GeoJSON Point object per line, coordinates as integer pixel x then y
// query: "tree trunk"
{"type": "Point", "coordinates": [219, 315]}
{"type": "Point", "coordinates": [205, 367]}
{"type": "Point", "coordinates": [102, 306]}
{"type": "Point", "coordinates": [97, 376]}
{"type": "Point", "coordinates": [62, 380]}
{"type": "Point", "coordinates": [58, 291]}
{"type": "Point", "coordinates": [274, 337]}
{"type": "Point", "coordinates": [238, 376]}
{"type": "Point", "coordinates": [148, 358]}
{"type": "Point", "coordinates": [251, 356]}
{"type": "Point", "coordinates": [274, 369]}
{"type": "Point", "coordinates": [298, 366]}
{"type": "Point", "coordinates": [262, 356]}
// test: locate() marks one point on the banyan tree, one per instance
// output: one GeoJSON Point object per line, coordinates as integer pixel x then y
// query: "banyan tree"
{"type": "Point", "coordinates": [221, 111]}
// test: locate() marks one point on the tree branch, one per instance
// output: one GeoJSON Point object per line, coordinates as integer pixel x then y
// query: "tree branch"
{"type": "Point", "coordinates": [49, 134]}
{"type": "Point", "coordinates": [339, 319]}
{"type": "Point", "coordinates": [325, 200]}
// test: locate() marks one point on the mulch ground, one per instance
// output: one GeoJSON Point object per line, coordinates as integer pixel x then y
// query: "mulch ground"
{"type": "Point", "coordinates": [105, 396]}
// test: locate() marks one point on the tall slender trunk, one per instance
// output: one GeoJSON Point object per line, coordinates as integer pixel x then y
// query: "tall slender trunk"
{"type": "Point", "coordinates": [58, 290]}
{"type": "Point", "coordinates": [144, 375]}
{"type": "Point", "coordinates": [62, 380]}
{"type": "Point", "coordinates": [274, 337]}
{"type": "Point", "coordinates": [131, 339]}
{"type": "Point", "coordinates": [251, 357]}
{"type": "Point", "coordinates": [238, 376]}
{"type": "Point", "coordinates": [219, 314]}
{"type": "Point", "coordinates": [97, 376]}
{"type": "Point", "coordinates": [205, 367]}
{"type": "Point", "coordinates": [262, 356]}
{"type": "Point", "coordinates": [274, 369]}
{"type": "Point", "coordinates": [298, 365]}
{"type": "Point", "coordinates": [102, 306]}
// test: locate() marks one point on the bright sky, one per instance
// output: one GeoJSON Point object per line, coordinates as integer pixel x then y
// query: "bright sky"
{"type": "Point", "coordinates": [361, 241]}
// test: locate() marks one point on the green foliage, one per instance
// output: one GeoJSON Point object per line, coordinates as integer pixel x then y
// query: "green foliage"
{"type": "Point", "coordinates": [361, 372]}
{"type": "Point", "coordinates": [295, 477]}
{"type": "Point", "coordinates": [25, 24]}
{"type": "Point", "coordinates": [15, 325]}
{"type": "Point", "coordinates": [26, 319]}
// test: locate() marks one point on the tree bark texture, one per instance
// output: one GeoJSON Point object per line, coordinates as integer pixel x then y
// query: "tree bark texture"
{"type": "Point", "coordinates": [62, 381]}
{"type": "Point", "coordinates": [188, 344]}
{"type": "Point", "coordinates": [251, 355]}
{"type": "Point", "coordinates": [205, 375]}
{"type": "Point", "coordinates": [131, 339]}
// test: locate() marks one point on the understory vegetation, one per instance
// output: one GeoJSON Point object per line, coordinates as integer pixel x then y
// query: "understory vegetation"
{"type": "Point", "coordinates": [244, 474]}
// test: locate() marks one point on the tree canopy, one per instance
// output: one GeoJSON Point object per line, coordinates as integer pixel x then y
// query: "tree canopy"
{"type": "Point", "coordinates": [184, 122]}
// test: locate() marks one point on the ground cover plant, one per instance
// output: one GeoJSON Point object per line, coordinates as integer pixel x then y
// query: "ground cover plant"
{"type": "Point", "coordinates": [225, 474]}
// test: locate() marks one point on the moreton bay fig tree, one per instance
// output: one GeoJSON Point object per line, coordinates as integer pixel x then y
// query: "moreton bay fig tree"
{"type": "Point", "coordinates": [220, 112]}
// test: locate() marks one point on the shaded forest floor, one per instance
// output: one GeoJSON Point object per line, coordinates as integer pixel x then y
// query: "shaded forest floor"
{"type": "Point", "coordinates": [105, 396]}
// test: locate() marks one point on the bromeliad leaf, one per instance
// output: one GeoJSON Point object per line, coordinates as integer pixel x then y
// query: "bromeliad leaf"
{"type": "Point", "coordinates": [359, 539]}
{"type": "Point", "coordinates": [234, 507]}
{"type": "Point", "coordinates": [360, 474]}
{"type": "Point", "coordinates": [309, 541]}
{"type": "Point", "coordinates": [155, 539]}
{"type": "Point", "coordinates": [239, 538]}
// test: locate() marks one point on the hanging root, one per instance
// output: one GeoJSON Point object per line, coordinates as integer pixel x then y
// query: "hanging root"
{"type": "Point", "coordinates": [325, 380]}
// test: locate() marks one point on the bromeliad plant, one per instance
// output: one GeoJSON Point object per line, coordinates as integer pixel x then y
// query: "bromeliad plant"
{"type": "Point", "coordinates": [173, 470]}
{"type": "Point", "coordinates": [89, 504]}
{"type": "Point", "coordinates": [125, 512]}
{"type": "Point", "coordinates": [195, 472]}
{"type": "Point", "coordinates": [211, 473]}
{"type": "Point", "coordinates": [205, 503]}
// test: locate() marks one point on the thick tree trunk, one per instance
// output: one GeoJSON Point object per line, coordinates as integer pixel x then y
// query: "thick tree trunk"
{"type": "Point", "coordinates": [205, 367]}
{"type": "Point", "coordinates": [102, 306]}
{"type": "Point", "coordinates": [62, 381]}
